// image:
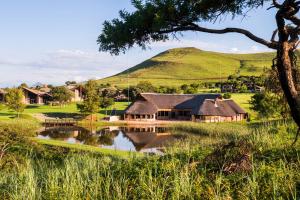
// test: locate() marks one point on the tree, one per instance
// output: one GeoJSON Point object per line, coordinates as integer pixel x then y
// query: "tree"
{"type": "Point", "coordinates": [156, 20]}
{"type": "Point", "coordinates": [271, 85]}
{"type": "Point", "coordinates": [227, 96]}
{"type": "Point", "coordinates": [61, 94]}
{"type": "Point", "coordinates": [90, 104]}
{"type": "Point", "coordinates": [14, 100]}
{"type": "Point", "coordinates": [145, 86]}
{"type": "Point", "coordinates": [266, 104]}
{"type": "Point", "coordinates": [23, 85]}
{"type": "Point", "coordinates": [110, 92]}
{"type": "Point", "coordinates": [106, 103]}
{"type": "Point", "coordinates": [70, 82]}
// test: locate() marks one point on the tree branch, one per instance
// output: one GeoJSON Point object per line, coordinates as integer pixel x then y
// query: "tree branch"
{"type": "Point", "coordinates": [276, 4]}
{"type": "Point", "coordinates": [274, 35]}
{"type": "Point", "coordinates": [195, 27]}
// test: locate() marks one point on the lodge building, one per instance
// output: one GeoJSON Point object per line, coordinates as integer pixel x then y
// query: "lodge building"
{"type": "Point", "coordinates": [184, 107]}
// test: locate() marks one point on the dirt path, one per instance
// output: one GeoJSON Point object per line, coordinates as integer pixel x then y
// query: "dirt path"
{"type": "Point", "coordinates": [42, 117]}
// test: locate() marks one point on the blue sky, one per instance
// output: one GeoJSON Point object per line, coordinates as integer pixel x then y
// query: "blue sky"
{"type": "Point", "coordinates": [52, 41]}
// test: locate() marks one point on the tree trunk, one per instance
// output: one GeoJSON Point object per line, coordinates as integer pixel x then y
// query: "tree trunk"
{"type": "Point", "coordinates": [284, 66]}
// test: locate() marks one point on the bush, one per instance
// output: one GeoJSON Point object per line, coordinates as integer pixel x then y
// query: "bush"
{"type": "Point", "coordinates": [227, 96]}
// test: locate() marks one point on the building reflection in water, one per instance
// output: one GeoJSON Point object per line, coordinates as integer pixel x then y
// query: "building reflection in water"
{"type": "Point", "coordinates": [130, 138]}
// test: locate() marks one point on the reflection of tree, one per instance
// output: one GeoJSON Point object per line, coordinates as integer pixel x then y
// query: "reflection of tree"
{"type": "Point", "coordinates": [107, 138]}
{"type": "Point", "coordinates": [92, 141]}
{"type": "Point", "coordinates": [57, 134]}
{"type": "Point", "coordinates": [83, 135]}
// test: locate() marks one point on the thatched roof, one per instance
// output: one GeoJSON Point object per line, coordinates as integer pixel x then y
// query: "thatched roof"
{"type": "Point", "coordinates": [142, 108]}
{"type": "Point", "coordinates": [224, 108]}
{"type": "Point", "coordinates": [200, 104]}
{"type": "Point", "coordinates": [177, 101]}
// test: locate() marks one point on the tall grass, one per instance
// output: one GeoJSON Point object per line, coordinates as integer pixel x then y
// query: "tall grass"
{"type": "Point", "coordinates": [176, 175]}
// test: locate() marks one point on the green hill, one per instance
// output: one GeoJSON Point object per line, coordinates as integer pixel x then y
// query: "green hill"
{"type": "Point", "coordinates": [187, 65]}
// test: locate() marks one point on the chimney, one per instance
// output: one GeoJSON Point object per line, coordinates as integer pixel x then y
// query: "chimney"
{"type": "Point", "coordinates": [216, 105]}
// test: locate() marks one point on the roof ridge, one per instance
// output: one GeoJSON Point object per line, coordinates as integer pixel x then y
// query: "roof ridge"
{"type": "Point", "coordinates": [200, 94]}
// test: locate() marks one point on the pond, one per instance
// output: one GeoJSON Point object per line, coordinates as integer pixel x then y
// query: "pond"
{"type": "Point", "coordinates": [148, 139]}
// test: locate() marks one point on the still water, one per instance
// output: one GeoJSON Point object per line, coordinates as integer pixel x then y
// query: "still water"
{"type": "Point", "coordinates": [149, 139]}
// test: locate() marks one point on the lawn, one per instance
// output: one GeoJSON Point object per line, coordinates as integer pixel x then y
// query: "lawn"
{"type": "Point", "coordinates": [243, 99]}
{"type": "Point", "coordinates": [57, 111]}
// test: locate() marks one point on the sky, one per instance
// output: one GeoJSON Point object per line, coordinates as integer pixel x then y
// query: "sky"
{"type": "Point", "coordinates": [53, 41]}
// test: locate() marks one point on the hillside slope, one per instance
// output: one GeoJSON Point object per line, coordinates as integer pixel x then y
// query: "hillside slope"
{"type": "Point", "coordinates": [187, 65]}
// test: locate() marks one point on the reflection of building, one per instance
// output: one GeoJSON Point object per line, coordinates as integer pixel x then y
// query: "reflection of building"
{"type": "Point", "coordinates": [144, 138]}
{"type": "Point", "coordinates": [202, 107]}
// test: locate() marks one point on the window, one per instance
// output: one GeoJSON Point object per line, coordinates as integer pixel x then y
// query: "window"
{"type": "Point", "coordinates": [163, 113]}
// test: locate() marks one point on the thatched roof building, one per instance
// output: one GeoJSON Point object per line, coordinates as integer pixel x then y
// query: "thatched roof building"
{"type": "Point", "coordinates": [200, 107]}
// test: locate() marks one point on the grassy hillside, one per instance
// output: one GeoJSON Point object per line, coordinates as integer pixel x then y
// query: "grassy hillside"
{"type": "Point", "coordinates": [187, 65]}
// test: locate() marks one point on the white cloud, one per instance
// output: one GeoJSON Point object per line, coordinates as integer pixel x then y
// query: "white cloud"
{"type": "Point", "coordinates": [234, 50]}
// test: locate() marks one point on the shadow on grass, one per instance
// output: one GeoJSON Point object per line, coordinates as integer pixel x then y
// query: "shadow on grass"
{"type": "Point", "coordinates": [32, 106]}
{"type": "Point", "coordinates": [64, 115]}
{"type": "Point", "coordinates": [112, 112]}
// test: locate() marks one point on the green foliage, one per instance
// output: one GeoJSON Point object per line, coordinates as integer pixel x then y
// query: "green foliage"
{"type": "Point", "coordinates": [190, 89]}
{"type": "Point", "coordinates": [227, 96]}
{"type": "Point", "coordinates": [70, 82]}
{"type": "Point", "coordinates": [14, 100]}
{"type": "Point", "coordinates": [266, 104]}
{"type": "Point", "coordinates": [145, 86]}
{"type": "Point", "coordinates": [14, 142]}
{"type": "Point", "coordinates": [109, 92]}
{"type": "Point", "coordinates": [167, 90]}
{"type": "Point", "coordinates": [61, 94]}
{"type": "Point", "coordinates": [106, 103]}
{"type": "Point", "coordinates": [153, 20]}
{"type": "Point", "coordinates": [242, 88]}
{"type": "Point", "coordinates": [23, 85]}
{"type": "Point", "coordinates": [272, 102]}
{"type": "Point", "coordinates": [90, 104]}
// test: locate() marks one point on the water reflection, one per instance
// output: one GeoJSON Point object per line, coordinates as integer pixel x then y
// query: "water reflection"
{"type": "Point", "coordinates": [142, 139]}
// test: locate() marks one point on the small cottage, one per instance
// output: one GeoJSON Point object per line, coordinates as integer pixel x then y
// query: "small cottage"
{"type": "Point", "coordinates": [184, 107]}
{"type": "Point", "coordinates": [2, 95]}
{"type": "Point", "coordinates": [32, 96]}
{"type": "Point", "coordinates": [77, 91]}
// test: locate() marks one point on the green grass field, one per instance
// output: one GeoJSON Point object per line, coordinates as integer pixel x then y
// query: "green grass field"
{"type": "Point", "coordinates": [57, 111]}
{"type": "Point", "coordinates": [243, 100]}
{"type": "Point", "coordinates": [188, 65]}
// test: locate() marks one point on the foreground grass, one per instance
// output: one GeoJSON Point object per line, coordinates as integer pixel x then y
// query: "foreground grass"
{"type": "Point", "coordinates": [182, 173]}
